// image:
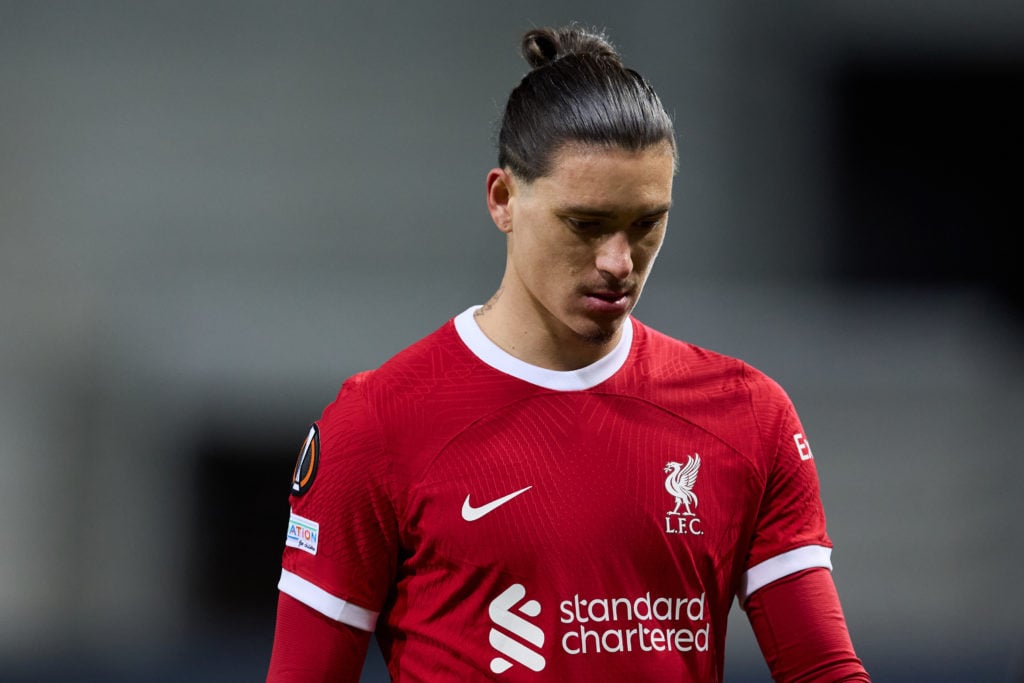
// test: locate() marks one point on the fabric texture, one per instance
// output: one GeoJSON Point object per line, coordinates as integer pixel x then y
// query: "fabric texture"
{"type": "Point", "coordinates": [800, 628]}
{"type": "Point", "coordinates": [642, 498]}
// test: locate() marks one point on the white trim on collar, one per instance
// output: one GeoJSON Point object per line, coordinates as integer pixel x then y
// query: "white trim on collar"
{"type": "Point", "coordinates": [559, 380]}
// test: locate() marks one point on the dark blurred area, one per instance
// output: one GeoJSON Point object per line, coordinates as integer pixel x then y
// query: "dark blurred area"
{"type": "Point", "coordinates": [239, 480]}
{"type": "Point", "coordinates": [211, 213]}
{"type": "Point", "coordinates": [928, 149]}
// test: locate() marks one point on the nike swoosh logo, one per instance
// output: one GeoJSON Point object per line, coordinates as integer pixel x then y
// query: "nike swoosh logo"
{"type": "Point", "coordinates": [471, 514]}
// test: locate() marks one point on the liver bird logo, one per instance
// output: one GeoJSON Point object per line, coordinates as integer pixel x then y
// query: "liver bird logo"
{"type": "Point", "coordinates": [680, 481]}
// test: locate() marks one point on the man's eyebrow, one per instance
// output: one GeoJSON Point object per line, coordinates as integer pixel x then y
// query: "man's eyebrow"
{"type": "Point", "coordinates": [664, 208]}
{"type": "Point", "coordinates": [603, 213]}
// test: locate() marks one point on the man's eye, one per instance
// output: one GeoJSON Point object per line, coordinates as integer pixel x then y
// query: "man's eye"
{"type": "Point", "coordinates": [584, 225]}
{"type": "Point", "coordinates": [648, 223]}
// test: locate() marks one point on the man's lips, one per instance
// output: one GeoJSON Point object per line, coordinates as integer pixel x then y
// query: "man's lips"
{"type": "Point", "coordinates": [615, 301]}
{"type": "Point", "coordinates": [609, 296]}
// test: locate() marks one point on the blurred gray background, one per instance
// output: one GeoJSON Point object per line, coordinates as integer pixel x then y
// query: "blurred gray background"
{"type": "Point", "coordinates": [211, 213]}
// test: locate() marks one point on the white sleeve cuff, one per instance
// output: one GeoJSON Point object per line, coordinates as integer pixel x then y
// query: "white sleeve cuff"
{"type": "Point", "coordinates": [323, 602]}
{"type": "Point", "coordinates": [773, 569]}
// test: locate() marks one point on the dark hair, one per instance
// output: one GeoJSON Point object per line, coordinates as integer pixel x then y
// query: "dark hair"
{"type": "Point", "coordinates": [577, 92]}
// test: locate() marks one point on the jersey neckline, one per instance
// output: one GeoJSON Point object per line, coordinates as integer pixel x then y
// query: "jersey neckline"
{"type": "Point", "coordinates": [559, 380]}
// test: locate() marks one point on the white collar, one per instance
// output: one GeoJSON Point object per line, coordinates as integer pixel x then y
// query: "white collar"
{"type": "Point", "coordinates": [559, 380]}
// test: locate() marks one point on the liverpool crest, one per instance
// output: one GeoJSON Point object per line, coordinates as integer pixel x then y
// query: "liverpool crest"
{"type": "Point", "coordinates": [679, 483]}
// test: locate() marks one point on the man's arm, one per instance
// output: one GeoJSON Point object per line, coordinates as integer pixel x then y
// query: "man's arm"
{"type": "Point", "coordinates": [312, 648]}
{"type": "Point", "coordinates": [800, 628]}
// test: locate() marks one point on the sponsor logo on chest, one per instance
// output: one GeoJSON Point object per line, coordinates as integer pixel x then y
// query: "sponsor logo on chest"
{"type": "Point", "coordinates": [628, 624]}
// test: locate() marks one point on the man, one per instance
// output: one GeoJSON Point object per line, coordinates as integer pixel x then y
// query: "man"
{"type": "Point", "coordinates": [545, 489]}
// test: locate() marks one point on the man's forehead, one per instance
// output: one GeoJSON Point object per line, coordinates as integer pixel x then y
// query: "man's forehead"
{"type": "Point", "coordinates": [601, 180]}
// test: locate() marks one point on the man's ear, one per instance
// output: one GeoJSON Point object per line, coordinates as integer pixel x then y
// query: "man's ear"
{"type": "Point", "coordinates": [500, 189]}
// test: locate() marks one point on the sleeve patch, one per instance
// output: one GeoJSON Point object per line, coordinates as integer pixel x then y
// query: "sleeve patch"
{"type": "Point", "coordinates": [802, 446]}
{"type": "Point", "coordinates": [302, 534]}
{"type": "Point", "coordinates": [308, 462]}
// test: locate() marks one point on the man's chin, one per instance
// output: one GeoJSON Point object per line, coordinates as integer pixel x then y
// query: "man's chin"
{"type": "Point", "coordinates": [601, 332]}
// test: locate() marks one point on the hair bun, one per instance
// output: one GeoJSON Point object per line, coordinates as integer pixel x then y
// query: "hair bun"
{"type": "Point", "coordinates": [542, 46]}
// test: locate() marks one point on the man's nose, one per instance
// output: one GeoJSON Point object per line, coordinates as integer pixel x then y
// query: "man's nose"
{"type": "Point", "coordinates": [614, 255]}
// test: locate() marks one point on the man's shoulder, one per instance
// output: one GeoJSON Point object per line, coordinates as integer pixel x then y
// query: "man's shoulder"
{"type": "Point", "coordinates": [421, 383]}
{"type": "Point", "coordinates": [416, 401]}
{"type": "Point", "coordinates": [422, 361]}
{"type": "Point", "coordinates": [722, 394]}
{"type": "Point", "coordinates": [700, 368]}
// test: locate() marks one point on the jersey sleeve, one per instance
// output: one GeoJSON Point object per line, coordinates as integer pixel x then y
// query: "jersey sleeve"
{"type": "Point", "coordinates": [790, 534]}
{"type": "Point", "coordinates": [801, 630]}
{"type": "Point", "coordinates": [341, 547]}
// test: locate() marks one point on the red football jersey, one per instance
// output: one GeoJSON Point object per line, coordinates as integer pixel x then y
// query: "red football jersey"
{"type": "Point", "coordinates": [496, 520]}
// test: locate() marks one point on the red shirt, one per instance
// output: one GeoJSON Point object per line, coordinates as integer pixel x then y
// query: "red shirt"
{"type": "Point", "coordinates": [492, 519]}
